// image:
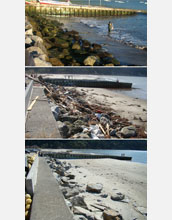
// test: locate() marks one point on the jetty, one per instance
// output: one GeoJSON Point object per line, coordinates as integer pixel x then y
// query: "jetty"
{"type": "Point", "coordinates": [75, 155]}
{"type": "Point", "coordinates": [89, 83]}
{"type": "Point", "coordinates": [79, 10]}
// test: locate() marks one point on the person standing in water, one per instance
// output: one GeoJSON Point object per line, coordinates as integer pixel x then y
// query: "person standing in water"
{"type": "Point", "coordinates": [110, 27]}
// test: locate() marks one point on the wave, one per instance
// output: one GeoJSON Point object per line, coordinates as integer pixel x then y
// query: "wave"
{"type": "Point", "coordinates": [121, 2]}
{"type": "Point", "coordinates": [143, 3]}
{"type": "Point", "coordinates": [107, 0]}
{"type": "Point", "coordinates": [118, 34]}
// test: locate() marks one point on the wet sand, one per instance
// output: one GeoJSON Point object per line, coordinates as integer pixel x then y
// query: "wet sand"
{"type": "Point", "coordinates": [127, 178]}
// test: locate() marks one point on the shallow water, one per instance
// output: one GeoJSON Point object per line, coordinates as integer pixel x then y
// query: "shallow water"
{"type": "Point", "coordinates": [137, 156]}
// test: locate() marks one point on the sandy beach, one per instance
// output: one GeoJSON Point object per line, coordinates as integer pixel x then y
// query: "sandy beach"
{"type": "Point", "coordinates": [116, 176]}
{"type": "Point", "coordinates": [131, 108]}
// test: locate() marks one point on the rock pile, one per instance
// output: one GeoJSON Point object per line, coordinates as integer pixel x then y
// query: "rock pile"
{"type": "Point", "coordinates": [74, 194]}
{"type": "Point", "coordinates": [35, 52]}
{"type": "Point", "coordinates": [59, 47]}
{"type": "Point", "coordinates": [76, 118]}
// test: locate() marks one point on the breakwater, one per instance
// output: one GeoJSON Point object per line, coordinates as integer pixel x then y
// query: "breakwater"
{"type": "Point", "coordinates": [89, 83]}
{"type": "Point", "coordinates": [80, 11]}
{"type": "Point", "coordinates": [66, 155]}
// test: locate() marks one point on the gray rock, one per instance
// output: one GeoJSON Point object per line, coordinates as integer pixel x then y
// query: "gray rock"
{"type": "Point", "coordinates": [104, 195]}
{"type": "Point", "coordinates": [63, 128]}
{"type": "Point", "coordinates": [55, 110]}
{"type": "Point", "coordinates": [110, 214]}
{"type": "Point", "coordinates": [68, 118]}
{"type": "Point", "coordinates": [79, 217]}
{"type": "Point", "coordinates": [94, 188]}
{"type": "Point", "coordinates": [78, 201]}
{"type": "Point", "coordinates": [90, 61]}
{"type": "Point", "coordinates": [129, 131]}
{"type": "Point", "coordinates": [64, 179]}
{"type": "Point", "coordinates": [68, 203]}
{"type": "Point", "coordinates": [117, 196]}
{"type": "Point", "coordinates": [98, 216]}
{"type": "Point", "coordinates": [81, 211]}
{"type": "Point", "coordinates": [70, 176]}
{"type": "Point", "coordinates": [113, 133]}
{"type": "Point", "coordinates": [71, 192]}
{"type": "Point", "coordinates": [60, 171]}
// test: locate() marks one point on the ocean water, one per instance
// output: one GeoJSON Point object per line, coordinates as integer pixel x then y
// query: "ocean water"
{"type": "Point", "coordinates": [137, 156]}
{"type": "Point", "coordinates": [132, 4]}
{"type": "Point", "coordinates": [129, 30]}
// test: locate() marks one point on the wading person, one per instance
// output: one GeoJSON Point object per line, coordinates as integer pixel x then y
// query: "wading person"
{"type": "Point", "coordinates": [110, 27]}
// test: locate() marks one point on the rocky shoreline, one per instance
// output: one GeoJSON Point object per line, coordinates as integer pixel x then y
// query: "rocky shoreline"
{"type": "Point", "coordinates": [88, 199]}
{"type": "Point", "coordinates": [48, 44]}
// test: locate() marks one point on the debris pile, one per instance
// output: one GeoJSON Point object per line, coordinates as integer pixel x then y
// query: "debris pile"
{"type": "Point", "coordinates": [78, 118]}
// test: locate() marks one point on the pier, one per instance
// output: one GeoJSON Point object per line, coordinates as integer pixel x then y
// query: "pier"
{"type": "Point", "coordinates": [66, 155]}
{"type": "Point", "coordinates": [89, 83]}
{"type": "Point", "coordinates": [79, 10]}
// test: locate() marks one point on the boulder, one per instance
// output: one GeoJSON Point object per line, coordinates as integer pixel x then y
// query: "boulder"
{"type": "Point", "coordinates": [28, 40]}
{"type": "Point", "coordinates": [29, 32]}
{"type": "Point", "coordinates": [104, 195]}
{"type": "Point", "coordinates": [117, 196]}
{"type": "Point", "coordinates": [78, 201]}
{"type": "Point", "coordinates": [76, 46]}
{"type": "Point", "coordinates": [37, 61]}
{"type": "Point", "coordinates": [96, 46]}
{"type": "Point", "coordinates": [60, 171]}
{"type": "Point", "coordinates": [55, 110]}
{"type": "Point", "coordinates": [71, 192]}
{"type": "Point", "coordinates": [56, 62]}
{"type": "Point", "coordinates": [70, 176]}
{"type": "Point", "coordinates": [94, 188]}
{"type": "Point", "coordinates": [64, 179]}
{"type": "Point", "coordinates": [129, 131]}
{"type": "Point", "coordinates": [110, 214]}
{"type": "Point", "coordinates": [63, 128]}
{"type": "Point", "coordinates": [81, 211]}
{"type": "Point", "coordinates": [79, 217]}
{"type": "Point", "coordinates": [90, 61]}
{"type": "Point", "coordinates": [68, 118]}
{"type": "Point", "coordinates": [36, 39]}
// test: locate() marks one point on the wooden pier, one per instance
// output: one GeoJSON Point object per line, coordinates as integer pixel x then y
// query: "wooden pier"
{"type": "Point", "coordinates": [80, 11]}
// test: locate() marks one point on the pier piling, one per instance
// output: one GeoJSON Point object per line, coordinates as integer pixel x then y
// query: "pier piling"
{"type": "Point", "coordinates": [79, 11]}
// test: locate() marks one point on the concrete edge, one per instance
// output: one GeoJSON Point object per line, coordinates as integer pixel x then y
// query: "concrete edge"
{"type": "Point", "coordinates": [31, 178]}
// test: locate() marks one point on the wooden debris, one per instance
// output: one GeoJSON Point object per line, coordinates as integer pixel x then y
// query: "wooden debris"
{"type": "Point", "coordinates": [32, 104]}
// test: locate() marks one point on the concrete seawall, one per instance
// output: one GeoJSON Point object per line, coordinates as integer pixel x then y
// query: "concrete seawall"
{"type": "Point", "coordinates": [89, 83]}
{"type": "Point", "coordinates": [80, 11]}
{"type": "Point", "coordinates": [81, 156]}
